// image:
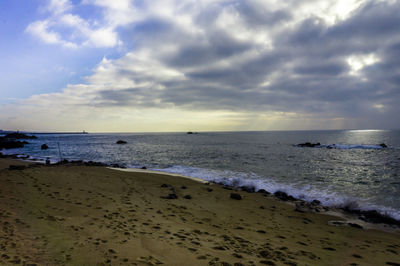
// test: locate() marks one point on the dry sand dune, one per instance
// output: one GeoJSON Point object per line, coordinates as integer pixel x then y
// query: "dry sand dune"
{"type": "Point", "coordinates": [77, 215]}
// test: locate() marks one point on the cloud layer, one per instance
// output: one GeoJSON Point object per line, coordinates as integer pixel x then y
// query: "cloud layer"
{"type": "Point", "coordinates": [253, 64]}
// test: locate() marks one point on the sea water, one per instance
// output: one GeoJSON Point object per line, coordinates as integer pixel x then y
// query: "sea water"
{"type": "Point", "coordinates": [349, 168]}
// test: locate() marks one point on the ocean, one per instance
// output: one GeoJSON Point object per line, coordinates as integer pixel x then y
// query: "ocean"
{"type": "Point", "coordinates": [349, 168]}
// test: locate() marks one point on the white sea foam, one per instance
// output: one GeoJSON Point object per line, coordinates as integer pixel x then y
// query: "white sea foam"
{"type": "Point", "coordinates": [352, 146]}
{"type": "Point", "coordinates": [327, 197]}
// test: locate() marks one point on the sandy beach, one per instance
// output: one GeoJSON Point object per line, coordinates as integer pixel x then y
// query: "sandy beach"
{"type": "Point", "coordinates": [81, 215]}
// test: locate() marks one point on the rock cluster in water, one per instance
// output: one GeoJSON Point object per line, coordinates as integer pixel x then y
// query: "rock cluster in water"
{"type": "Point", "coordinates": [44, 147]}
{"type": "Point", "coordinates": [309, 144]}
{"type": "Point", "coordinates": [11, 140]}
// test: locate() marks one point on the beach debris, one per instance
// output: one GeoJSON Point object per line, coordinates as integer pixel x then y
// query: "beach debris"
{"type": "Point", "coordinates": [187, 197]}
{"type": "Point", "coordinates": [283, 196]}
{"type": "Point", "coordinates": [44, 147]}
{"type": "Point", "coordinates": [236, 196]}
{"type": "Point", "coordinates": [121, 142]}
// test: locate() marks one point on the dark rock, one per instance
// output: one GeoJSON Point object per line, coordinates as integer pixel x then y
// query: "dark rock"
{"type": "Point", "coordinates": [383, 145]}
{"type": "Point", "coordinates": [187, 197]}
{"type": "Point", "coordinates": [47, 161]}
{"type": "Point", "coordinates": [209, 189]}
{"type": "Point", "coordinates": [171, 196]}
{"type": "Point", "coordinates": [17, 135]}
{"type": "Point", "coordinates": [144, 167]}
{"type": "Point", "coordinates": [315, 202]}
{"type": "Point", "coordinates": [236, 196]}
{"type": "Point", "coordinates": [248, 189]}
{"type": "Point", "coordinates": [90, 163]}
{"type": "Point", "coordinates": [309, 144]}
{"type": "Point", "coordinates": [164, 185]}
{"type": "Point", "coordinates": [121, 142]}
{"type": "Point", "coordinates": [263, 191]}
{"type": "Point", "coordinates": [283, 196]}
{"type": "Point", "coordinates": [183, 187]}
{"type": "Point", "coordinates": [44, 147]}
{"type": "Point", "coordinates": [190, 132]}
{"type": "Point", "coordinates": [373, 216]}
{"type": "Point", "coordinates": [227, 188]}
{"type": "Point", "coordinates": [5, 143]}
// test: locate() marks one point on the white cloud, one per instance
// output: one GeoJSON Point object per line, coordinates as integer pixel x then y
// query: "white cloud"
{"type": "Point", "coordinates": [358, 62]}
{"type": "Point", "coordinates": [41, 30]}
{"type": "Point", "coordinates": [117, 13]}
{"type": "Point", "coordinates": [57, 7]}
{"type": "Point", "coordinates": [70, 30]}
{"type": "Point", "coordinates": [246, 64]}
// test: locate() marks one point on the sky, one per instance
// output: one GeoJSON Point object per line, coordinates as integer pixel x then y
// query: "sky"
{"type": "Point", "coordinates": [185, 65]}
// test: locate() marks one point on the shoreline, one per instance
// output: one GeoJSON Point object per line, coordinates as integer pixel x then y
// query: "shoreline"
{"type": "Point", "coordinates": [370, 219]}
{"type": "Point", "coordinates": [76, 214]}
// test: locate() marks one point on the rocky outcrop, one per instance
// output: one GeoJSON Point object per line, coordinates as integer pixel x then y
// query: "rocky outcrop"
{"type": "Point", "coordinates": [309, 145]}
{"type": "Point", "coordinates": [121, 142]}
{"type": "Point", "coordinates": [44, 147]}
{"type": "Point", "coordinates": [283, 196]}
{"type": "Point", "coordinates": [17, 135]}
{"type": "Point", "coordinates": [6, 143]}
{"type": "Point", "coordinates": [10, 141]}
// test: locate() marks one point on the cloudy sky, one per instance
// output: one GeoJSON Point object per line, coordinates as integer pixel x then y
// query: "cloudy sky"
{"type": "Point", "coordinates": [205, 65]}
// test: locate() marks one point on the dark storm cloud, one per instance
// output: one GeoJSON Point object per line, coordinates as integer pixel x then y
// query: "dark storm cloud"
{"type": "Point", "coordinates": [307, 69]}
{"type": "Point", "coordinates": [256, 16]}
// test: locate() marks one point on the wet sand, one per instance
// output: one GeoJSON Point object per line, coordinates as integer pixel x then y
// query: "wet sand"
{"type": "Point", "coordinates": [80, 215]}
